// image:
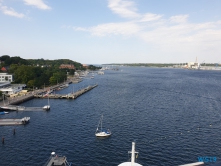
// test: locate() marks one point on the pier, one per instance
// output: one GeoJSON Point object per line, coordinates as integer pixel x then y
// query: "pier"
{"type": "Point", "coordinates": [38, 94]}
{"type": "Point", "coordinates": [67, 96]}
{"type": "Point", "coordinates": [10, 106]}
{"type": "Point", "coordinates": [23, 121]}
{"type": "Point", "coordinates": [23, 108]}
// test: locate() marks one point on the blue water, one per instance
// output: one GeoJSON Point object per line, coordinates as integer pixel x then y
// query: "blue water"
{"type": "Point", "coordinates": [173, 115]}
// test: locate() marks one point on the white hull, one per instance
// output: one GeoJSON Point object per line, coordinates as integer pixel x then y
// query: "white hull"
{"type": "Point", "coordinates": [102, 134]}
{"type": "Point", "coordinates": [47, 107]}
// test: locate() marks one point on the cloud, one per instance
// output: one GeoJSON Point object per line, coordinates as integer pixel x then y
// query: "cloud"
{"type": "Point", "coordinates": [37, 3]}
{"type": "Point", "coordinates": [11, 12]}
{"type": "Point", "coordinates": [173, 34]}
{"type": "Point", "coordinates": [124, 8]}
{"type": "Point", "coordinates": [126, 29]}
{"type": "Point", "coordinates": [150, 17]}
{"type": "Point", "coordinates": [179, 19]}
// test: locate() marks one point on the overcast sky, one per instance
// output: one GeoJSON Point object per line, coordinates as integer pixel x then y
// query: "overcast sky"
{"type": "Point", "coordinates": [112, 31]}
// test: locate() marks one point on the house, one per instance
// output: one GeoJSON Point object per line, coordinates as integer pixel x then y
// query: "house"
{"type": "Point", "coordinates": [4, 69]}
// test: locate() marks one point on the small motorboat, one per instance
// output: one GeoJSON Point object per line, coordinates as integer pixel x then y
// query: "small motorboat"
{"type": "Point", "coordinates": [3, 113]}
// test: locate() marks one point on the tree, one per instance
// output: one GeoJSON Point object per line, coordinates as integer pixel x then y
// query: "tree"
{"type": "Point", "coordinates": [4, 57]}
{"type": "Point", "coordinates": [31, 83]}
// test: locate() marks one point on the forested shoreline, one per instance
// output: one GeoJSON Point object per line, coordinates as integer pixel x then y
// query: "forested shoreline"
{"type": "Point", "coordinates": [39, 72]}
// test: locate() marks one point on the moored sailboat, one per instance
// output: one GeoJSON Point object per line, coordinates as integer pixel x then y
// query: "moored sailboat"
{"type": "Point", "coordinates": [47, 107]}
{"type": "Point", "coordinates": [101, 132]}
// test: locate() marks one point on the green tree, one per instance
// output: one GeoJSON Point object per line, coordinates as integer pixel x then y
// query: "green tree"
{"type": "Point", "coordinates": [4, 57]}
{"type": "Point", "coordinates": [31, 83]}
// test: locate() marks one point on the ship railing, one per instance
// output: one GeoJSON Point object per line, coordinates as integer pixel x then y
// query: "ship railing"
{"type": "Point", "coordinates": [58, 157]}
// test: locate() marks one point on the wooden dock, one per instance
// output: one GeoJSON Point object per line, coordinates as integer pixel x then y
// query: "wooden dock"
{"type": "Point", "coordinates": [67, 96]}
{"type": "Point", "coordinates": [23, 121]}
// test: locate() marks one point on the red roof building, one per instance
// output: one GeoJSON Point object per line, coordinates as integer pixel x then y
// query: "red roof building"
{"type": "Point", "coordinates": [3, 69]}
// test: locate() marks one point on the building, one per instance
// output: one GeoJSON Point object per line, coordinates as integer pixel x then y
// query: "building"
{"type": "Point", "coordinates": [13, 89]}
{"type": "Point", "coordinates": [4, 77]}
{"type": "Point", "coordinates": [4, 69]}
{"type": "Point", "coordinates": [85, 66]}
{"type": "Point", "coordinates": [9, 89]}
{"type": "Point", "coordinates": [66, 66]}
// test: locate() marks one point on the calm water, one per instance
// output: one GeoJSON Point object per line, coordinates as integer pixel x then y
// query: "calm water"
{"type": "Point", "coordinates": [173, 115]}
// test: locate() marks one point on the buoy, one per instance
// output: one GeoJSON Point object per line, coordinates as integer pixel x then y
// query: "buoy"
{"type": "Point", "coordinates": [14, 132]}
{"type": "Point", "coordinates": [3, 140]}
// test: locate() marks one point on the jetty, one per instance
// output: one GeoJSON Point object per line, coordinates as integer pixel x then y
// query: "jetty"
{"type": "Point", "coordinates": [67, 96]}
{"type": "Point", "coordinates": [11, 103]}
{"type": "Point", "coordinates": [22, 121]}
{"type": "Point", "coordinates": [23, 108]}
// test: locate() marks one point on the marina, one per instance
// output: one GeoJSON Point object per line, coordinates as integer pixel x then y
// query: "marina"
{"type": "Point", "coordinates": [172, 115]}
{"type": "Point", "coordinates": [11, 105]}
{"type": "Point", "coordinates": [67, 96]}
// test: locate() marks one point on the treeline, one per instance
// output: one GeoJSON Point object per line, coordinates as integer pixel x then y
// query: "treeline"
{"type": "Point", "coordinates": [36, 73]}
{"type": "Point", "coordinates": [148, 64]}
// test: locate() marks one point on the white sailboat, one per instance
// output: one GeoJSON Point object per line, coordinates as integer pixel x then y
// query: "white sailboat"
{"type": "Point", "coordinates": [47, 107]}
{"type": "Point", "coordinates": [100, 132]}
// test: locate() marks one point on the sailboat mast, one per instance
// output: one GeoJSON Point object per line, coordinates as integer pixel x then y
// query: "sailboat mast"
{"type": "Point", "coordinates": [101, 121]}
{"type": "Point", "coordinates": [3, 96]}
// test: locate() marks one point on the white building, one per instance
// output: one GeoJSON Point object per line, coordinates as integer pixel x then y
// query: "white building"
{"type": "Point", "coordinates": [10, 89]}
{"type": "Point", "coordinates": [4, 77]}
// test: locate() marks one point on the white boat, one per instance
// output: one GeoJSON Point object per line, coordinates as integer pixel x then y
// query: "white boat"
{"type": "Point", "coordinates": [100, 73]}
{"type": "Point", "coordinates": [64, 86]}
{"type": "Point", "coordinates": [100, 132]}
{"type": "Point", "coordinates": [47, 107]}
{"type": "Point", "coordinates": [3, 113]}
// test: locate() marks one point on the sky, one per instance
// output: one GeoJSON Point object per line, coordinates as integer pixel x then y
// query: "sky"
{"type": "Point", "coordinates": [112, 31]}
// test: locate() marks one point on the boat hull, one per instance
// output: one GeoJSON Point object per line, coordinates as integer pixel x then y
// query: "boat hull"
{"type": "Point", "coordinates": [102, 134]}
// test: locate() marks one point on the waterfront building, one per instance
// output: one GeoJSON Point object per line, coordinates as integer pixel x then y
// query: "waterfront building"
{"type": "Point", "coordinates": [9, 89]}
{"type": "Point", "coordinates": [5, 77]}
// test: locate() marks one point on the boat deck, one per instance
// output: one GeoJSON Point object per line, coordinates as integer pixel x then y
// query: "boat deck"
{"type": "Point", "coordinates": [56, 160]}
